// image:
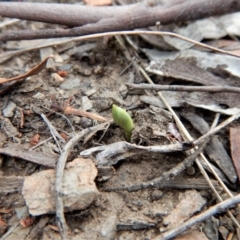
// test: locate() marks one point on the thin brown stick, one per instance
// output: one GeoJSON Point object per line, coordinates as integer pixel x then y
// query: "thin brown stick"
{"type": "Point", "coordinates": [82, 113]}
{"type": "Point", "coordinates": [184, 88]}
{"type": "Point", "coordinates": [218, 208]}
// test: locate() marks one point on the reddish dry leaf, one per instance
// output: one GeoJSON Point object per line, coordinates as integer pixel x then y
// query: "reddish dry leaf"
{"type": "Point", "coordinates": [35, 139]}
{"type": "Point", "coordinates": [235, 150]}
{"type": "Point", "coordinates": [27, 222]}
{"type": "Point", "coordinates": [98, 2]}
{"type": "Point", "coordinates": [34, 71]}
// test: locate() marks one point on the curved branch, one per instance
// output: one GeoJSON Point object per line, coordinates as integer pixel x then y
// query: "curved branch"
{"type": "Point", "coordinates": [113, 18]}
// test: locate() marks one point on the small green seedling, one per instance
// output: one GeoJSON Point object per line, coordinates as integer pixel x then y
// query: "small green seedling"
{"type": "Point", "coordinates": [123, 120]}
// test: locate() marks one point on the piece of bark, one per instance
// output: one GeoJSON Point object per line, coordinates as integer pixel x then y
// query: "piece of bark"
{"type": "Point", "coordinates": [235, 150]}
{"type": "Point", "coordinates": [11, 184]}
{"type": "Point", "coordinates": [17, 151]}
{"type": "Point", "coordinates": [189, 183]}
{"type": "Point", "coordinates": [192, 234]}
{"type": "Point", "coordinates": [191, 202]}
{"type": "Point", "coordinates": [214, 149]}
{"type": "Point", "coordinates": [79, 189]}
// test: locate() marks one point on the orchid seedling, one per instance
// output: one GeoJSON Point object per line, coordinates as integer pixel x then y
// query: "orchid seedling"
{"type": "Point", "coordinates": [123, 120]}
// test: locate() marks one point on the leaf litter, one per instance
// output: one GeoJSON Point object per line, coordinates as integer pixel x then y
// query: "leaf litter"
{"type": "Point", "coordinates": [80, 100]}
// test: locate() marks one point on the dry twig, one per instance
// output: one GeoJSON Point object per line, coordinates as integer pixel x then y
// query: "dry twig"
{"type": "Point", "coordinates": [53, 131]}
{"type": "Point", "coordinates": [59, 176]}
{"type": "Point", "coordinates": [184, 88]}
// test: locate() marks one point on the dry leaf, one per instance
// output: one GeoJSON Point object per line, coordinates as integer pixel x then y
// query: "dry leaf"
{"type": "Point", "coordinates": [34, 71]}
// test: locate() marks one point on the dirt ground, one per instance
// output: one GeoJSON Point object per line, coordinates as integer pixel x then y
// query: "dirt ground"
{"type": "Point", "coordinates": [91, 76]}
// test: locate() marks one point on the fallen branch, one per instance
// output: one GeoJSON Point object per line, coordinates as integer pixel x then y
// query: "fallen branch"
{"type": "Point", "coordinates": [114, 18]}
{"type": "Point", "coordinates": [199, 218]}
{"type": "Point", "coordinates": [79, 112]}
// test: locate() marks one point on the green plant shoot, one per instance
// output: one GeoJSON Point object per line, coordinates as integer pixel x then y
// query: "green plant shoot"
{"type": "Point", "coordinates": [123, 120]}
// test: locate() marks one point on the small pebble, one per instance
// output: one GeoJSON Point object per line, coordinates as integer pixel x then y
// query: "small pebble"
{"type": "Point", "coordinates": [156, 195]}
{"type": "Point", "coordinates": [86, 122]}
{"type": "Point", "coordinates": [86, 103]}
{"type": "Point", "coordinates": [191, 170]}
{"type": "Point", "coordinates": [56, 80]}
{"type": "Point", "coordinates": [39, 96]}
{"type": "Point", "coordinates": [76, 120]}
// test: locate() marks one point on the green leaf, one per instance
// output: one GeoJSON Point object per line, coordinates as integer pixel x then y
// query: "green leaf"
{"type": "Point", "coordinates": [123, 120]}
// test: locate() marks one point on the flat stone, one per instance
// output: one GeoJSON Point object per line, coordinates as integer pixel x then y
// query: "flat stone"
{"type": "Point", "coordinates": [79, 189]}
{"type": "Point", "coordinates": [86, 103]}
{"type": "Point", "coordinates": [70, 83]}
{"type": "Point", "coordinates": [39, 95]}
{"type": "Point", "coordinates": [8, 111]}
